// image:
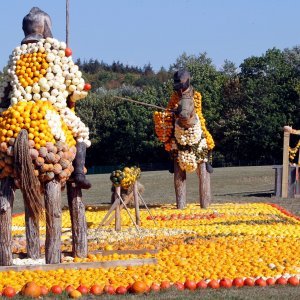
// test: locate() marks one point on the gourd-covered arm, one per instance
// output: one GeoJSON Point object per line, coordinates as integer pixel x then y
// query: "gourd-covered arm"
{"type": "Point", "coordinates": [5, 90]}
{"type": "Point", "coordinates": [4, 100]}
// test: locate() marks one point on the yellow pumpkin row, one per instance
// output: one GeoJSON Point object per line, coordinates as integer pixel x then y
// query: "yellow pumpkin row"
{"type": "Point", "coordinates": [242, 240]}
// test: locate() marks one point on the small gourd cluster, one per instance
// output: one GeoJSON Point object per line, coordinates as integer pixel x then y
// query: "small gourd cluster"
{"type": "Point", "coordinates": [125, 178]}
{"type": "Point", "coordinates": [163, 122]}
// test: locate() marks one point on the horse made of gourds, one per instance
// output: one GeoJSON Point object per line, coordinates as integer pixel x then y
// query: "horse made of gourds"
{"type": "Point", "coordinates": [181, 127]}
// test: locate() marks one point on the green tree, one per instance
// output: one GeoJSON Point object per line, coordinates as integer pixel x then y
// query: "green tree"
{"type": "Point", "coordinates": [270, 98]}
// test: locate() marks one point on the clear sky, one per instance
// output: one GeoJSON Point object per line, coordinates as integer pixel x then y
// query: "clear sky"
{"type": "Point", "coordinates": [138, 32]}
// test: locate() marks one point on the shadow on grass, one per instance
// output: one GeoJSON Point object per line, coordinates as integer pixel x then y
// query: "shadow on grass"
{"type": "Point", "coordinates": [260, 194]}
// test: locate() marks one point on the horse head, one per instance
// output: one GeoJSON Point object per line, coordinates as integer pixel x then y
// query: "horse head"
{"type": "Point", "coordinates": [186, 114]}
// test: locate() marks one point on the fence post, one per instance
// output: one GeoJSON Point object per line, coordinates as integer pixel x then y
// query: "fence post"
{"type": "Point", "coordinates": [285, 162]}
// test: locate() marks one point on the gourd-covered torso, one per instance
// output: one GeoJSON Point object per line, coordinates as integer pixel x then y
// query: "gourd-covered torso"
{"type": "Point", "coordinates": [190, 145]}
{"type": "Point", "coordinates": [41, 79]}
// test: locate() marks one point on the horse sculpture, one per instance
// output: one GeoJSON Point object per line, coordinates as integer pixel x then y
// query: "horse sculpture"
{"type": "Point", "coordinates": [43, 142]}
{"type": "Point", "coordinates": [187, 139]}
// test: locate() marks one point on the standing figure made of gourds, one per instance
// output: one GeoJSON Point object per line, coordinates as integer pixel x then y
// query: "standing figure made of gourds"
{"type": "Point", "coordinates": [39, 88]}
{"type": "Point", "coordinates": [42, 141]}
{"type": "Point", "coordinates": [182, 129]}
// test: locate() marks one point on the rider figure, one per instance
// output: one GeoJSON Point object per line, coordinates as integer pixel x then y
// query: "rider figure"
{"type": "Point", "coordinates": [37, 26]}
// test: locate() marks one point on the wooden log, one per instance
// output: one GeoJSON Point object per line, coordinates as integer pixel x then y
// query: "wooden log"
{"type": "Point", "coordinates": [7, 195]}
{"type": "Point", "coordinates": [136, 204]}
{"type": "Point", "coordinates": [101, 252]}
{"type": "Point", "coordinates": [112, 216]}
{"type": "Point", "coordinates": [78, 221]}
{"type": "Point", "coordinates": [285, 163]}
{"type": "Point", "coordinates": [53, 222]}
{"type": "Point", "coordinates": [117, 195]}
{"type": "Point", "coordinates": [180, 185]}
{"type": "Point", "coordinates": [111, 209]}
{"type": "Point", "coordinates": [127, 251]}
{"type": "Point", "coordinates": [84, 266]}
{"type": "Point", "coordinates": [204, 186]}
{"type": "Point", "coordinates": [32, 236]}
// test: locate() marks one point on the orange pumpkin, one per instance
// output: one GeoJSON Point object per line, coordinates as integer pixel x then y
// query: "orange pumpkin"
{"type": "Point", "coordinates": [32, 290]}
{"type": "Point", "coordinates": [9, 292]}
{"type": "Point", "coordinates": [139, 287]}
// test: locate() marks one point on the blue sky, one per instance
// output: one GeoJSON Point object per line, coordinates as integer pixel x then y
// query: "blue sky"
{"type": "Point", "coordinates": [138, 32]}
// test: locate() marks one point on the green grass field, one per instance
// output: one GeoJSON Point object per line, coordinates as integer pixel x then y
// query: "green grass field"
{"type": "Point", "coordinates": [233, 184]}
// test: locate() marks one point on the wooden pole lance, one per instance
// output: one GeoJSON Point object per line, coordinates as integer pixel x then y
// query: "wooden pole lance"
{"type": "Point", "coordinates": [67, 22]}
{"type": "Point", "coordinates": [144, 104]}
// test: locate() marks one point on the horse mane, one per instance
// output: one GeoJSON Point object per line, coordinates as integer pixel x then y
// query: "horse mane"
{"type": "Point", "coordinates": [29, 183]}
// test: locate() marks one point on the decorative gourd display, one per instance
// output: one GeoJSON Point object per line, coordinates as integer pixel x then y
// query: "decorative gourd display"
{"type": "Point", "coordinates": [42, 77]}
{"type": "Point", "coordinates": [125, 178]}
{"type": "Point", "coordinates": [164, 127]}
{"type": "Point", "coordinates": [192, 144]}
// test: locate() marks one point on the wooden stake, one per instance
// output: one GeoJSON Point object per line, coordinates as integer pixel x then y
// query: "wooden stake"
{"type": "Point", "coordinates": [285, 163]}
{"type": "Point", "coordinates": [136, 204]}
{"type": "Point", "coordinates": [152, 217]}
{"type": "Point", "coordinates": [180, 185]}
{"type": "Point", "coordinates": [129, 214]}
{"type": "Point", "coordinates": [78, 220]}
{"type": "Point", "coordinates": [117, 196]}
{"type": "Point", "coordinates": [204, 186]}
{"type": "Point", "coordinates": [106, 221]}
{"type": "Point", "coordinates": [53, 222]}
{"type": "Point", "coordinates": [7, 196]}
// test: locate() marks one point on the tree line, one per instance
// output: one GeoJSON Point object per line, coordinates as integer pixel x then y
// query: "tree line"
{"type": "Point", "coordinates": [245, 107]}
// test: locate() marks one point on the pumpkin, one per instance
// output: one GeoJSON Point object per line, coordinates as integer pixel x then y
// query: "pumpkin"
{"type": "Point", "coordinates": [57, 168]}
{"type": "Point", "coordinates": [139, 287]}
{"type": "Point", "coordinates": [31, 289]}
{"type": "Point", "coordinates": [39, 161]}
{"type": "Point", "coordinates": [11, 141]}
{"type": "Point", "coordinates": [64, 163]}
{"type": "Point", "coordinates": [50, 157]}
{"type": "Point", "coordinates": [43, 152]}
{"type": "Point", "coordinates": [49, 175]}
{"type": "Point", "coordinates": [34, 154]}
{"type": "Point", "coordinates": [3, 147]}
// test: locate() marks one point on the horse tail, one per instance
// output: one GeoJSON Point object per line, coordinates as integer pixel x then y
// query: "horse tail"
{"type": "Point", "coordinates": [29, 183]}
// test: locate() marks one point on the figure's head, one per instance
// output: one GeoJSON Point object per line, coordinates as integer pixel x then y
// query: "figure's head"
{"type": "Point", "coordinates": [36, 26]}
{"type": "Point", "coordinates": [181, 81]}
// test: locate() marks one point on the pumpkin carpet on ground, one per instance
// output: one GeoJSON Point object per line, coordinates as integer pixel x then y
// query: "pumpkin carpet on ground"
{"type": "Point", "coordinates": [224, 241]}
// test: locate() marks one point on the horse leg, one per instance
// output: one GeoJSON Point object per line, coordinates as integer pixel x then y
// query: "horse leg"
{"type": "Point", "coordinates": [7, 195]}
{"type": "Point", "coordinates": [204, 185]}
{"type": "Point", "coordinates": [78, 221]}
{"type": "Point", "coordinates": [32, 235]}
{"type": "Point", "coordinates": [180, 185]}
{"type": "Point", "coordinates": [53, 222]}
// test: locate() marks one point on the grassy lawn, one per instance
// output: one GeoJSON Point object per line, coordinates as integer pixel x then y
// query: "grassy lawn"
{"type": "Point", "coordinates": [234, 184]}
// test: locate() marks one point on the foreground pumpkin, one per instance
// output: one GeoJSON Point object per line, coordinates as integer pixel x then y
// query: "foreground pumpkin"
{"type": "Point", "coordinates": [32, 290]}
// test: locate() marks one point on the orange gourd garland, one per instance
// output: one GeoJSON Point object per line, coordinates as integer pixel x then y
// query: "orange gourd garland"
{"type": "Point", "coordinates": [164, 128]}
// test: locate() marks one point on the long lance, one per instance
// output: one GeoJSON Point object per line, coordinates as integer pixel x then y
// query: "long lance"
{"type": "Point", "coordinates": [67, 22]}
{"type": "Point", "coordinates": [144, 104]}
